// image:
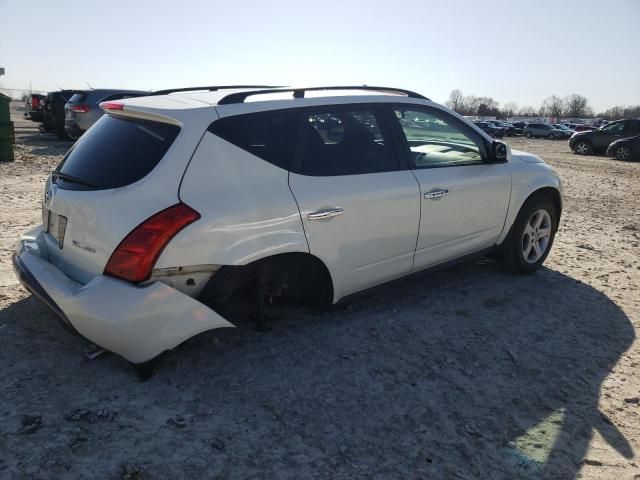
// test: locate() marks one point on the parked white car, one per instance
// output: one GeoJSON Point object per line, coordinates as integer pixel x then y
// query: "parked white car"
{"type": "Point", "coordinates": [171, 205]}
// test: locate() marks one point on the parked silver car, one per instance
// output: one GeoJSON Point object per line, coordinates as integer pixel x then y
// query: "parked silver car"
{"type": "Point", "coordinates": [83, 110]}
{"type": "Point", "coordinates": [544, 130]}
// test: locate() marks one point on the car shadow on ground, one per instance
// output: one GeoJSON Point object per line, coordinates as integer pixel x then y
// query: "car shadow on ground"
{"type": "Point", "coordinates": [465, 373]}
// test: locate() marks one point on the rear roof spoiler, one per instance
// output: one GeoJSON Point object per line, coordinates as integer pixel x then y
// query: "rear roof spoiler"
{"type": "Point", "coordinates": [119, 109]}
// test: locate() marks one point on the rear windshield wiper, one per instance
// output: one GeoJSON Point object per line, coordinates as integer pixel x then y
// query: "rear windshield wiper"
{"type": "Point", "coordinates": [71, 179]}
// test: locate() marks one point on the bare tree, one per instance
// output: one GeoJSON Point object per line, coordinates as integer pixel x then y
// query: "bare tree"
{"type": "Point", "coordinates": [489, 102]}
{"type": "Point", "coordinates": [613, 113]}
{"type": "Point", "coordinates": [553, 106]}
{"type": "Point", "coordinates": [577, 106]}
{"type": "Point", "coordinates": [471, 104]}
{"type": "Point", "coordinates": [509, 109]}
{"type": "Point", "coordinates": [456, 101]}
{"type": "Point", "coordinates": [527, 111]}
{"type": "Point", "coordinates": [618, 112]}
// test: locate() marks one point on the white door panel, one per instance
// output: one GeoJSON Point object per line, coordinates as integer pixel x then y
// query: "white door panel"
{"type": "Point", "coordinates": [467, 213]}
{"type": "Point", "coordinates": [373, 238]}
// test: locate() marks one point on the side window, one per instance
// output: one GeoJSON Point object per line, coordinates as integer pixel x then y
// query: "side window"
{"type": "Point", "coordinates": [632, 127]}
{"type": "Point", "coordinates": [436, 141]}
{"type": "Point", "coordinates": [265, 135]}
{"type": "Point", "coordinates": [348, 140]}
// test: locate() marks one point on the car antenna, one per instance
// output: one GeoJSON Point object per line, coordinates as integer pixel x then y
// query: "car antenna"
{"type": "Point", "coordinates": [90, 87]}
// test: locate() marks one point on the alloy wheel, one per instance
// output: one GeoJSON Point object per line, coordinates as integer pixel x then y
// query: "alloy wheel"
{"type": "Point", "coordinates": [536, 236]}
{"type": "Point", "coordinates": [582, 148]}
{"type": "Point", "coordinates": [623, 153]}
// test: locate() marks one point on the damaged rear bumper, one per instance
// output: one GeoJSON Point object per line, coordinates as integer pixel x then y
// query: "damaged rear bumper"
{"type": "Point", "coordinates": [136, 322]}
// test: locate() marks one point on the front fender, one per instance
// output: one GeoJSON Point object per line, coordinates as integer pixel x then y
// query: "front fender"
{"type": "Point", "coordinates": [523, 185]}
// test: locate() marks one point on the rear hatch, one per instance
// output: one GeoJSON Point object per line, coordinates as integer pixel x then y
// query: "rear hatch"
{"type": "Point", "coordinates": [76, 104]}
{"type": "Point", "coordinates": [116, 176]}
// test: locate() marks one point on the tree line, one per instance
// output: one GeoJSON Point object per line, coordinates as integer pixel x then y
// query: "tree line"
{"type": "Point", "coordinates": [571, 106]}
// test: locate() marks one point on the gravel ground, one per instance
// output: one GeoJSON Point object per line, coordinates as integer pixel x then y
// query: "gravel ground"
{"type": "Point", "coordinates": [468, 373]}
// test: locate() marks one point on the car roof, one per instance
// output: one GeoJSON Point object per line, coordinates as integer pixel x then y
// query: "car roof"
{"type": "Point", "coordinates": [174, 103]}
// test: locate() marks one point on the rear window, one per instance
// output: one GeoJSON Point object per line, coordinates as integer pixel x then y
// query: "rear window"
{"type": "Point", "coordinates": [114, 153]}
{"type": "Point", "coordinates": [78, 98]}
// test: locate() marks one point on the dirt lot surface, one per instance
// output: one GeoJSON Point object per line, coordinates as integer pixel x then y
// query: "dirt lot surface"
{"type": "Point", "coordinates": [469, 373]}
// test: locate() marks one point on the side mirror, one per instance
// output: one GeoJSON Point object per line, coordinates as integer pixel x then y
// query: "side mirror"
{"type": "Point", "coordinates": [499, 150]}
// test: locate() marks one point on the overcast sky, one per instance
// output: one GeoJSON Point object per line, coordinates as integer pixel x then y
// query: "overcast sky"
{"type": "Point", "coordinates": [519, 51]}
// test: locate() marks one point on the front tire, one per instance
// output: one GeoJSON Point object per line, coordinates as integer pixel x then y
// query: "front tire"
{"type": "Point", "coordinates": [529, 242]}
{"type": "Point", "coordinates": [582, 148]}
{"type": "Point", "coordinates": [528, 135]}
{"type": "Point", "coordinates": [551, 136]}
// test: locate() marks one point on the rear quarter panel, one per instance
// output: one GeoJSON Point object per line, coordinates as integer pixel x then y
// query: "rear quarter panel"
{"type": "Point", "coordinates": [248, 211]}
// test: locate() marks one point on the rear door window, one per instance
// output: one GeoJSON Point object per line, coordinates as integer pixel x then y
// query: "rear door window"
{"type": "Point", "coordinates": [114, 153]}
{"type": "Point", "coordinates": [351, 140]}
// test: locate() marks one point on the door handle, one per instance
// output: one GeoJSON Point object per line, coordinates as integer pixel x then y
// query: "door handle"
{"type": "Point", "coordinates": [326, 213]}
{"type": "Point", "coordinates": [435, 194]}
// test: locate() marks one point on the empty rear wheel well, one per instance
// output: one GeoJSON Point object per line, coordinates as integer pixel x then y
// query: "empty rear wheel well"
{"type": "Point", "coordinates": [296, 277]}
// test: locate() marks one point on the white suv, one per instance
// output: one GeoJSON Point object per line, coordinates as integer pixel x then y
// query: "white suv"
{"type": "Point", "coordinates": [171, 205]}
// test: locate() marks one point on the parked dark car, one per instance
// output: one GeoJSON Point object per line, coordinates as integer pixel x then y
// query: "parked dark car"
{"type": "Point", "coordinates": [510, 131]}
{"type": "Point", "coordinates": [53, 112]}
{"type": "Point", "coordinates": [597, 141]}
{"type": "Point", "coordinates": [564, 127]}
{"type": "Point", "coordinates": [33, 107]}
{"type": "Point", "coordinates": [625, 149]}
{"type": "Point", "coordinates": [519, 127]}
{"type": "Point", "coordinates": [544, 130]}
{"type": "Point", "coordinates": [83, 109]}
{"type": "Point", "coordinates": [495, 132]}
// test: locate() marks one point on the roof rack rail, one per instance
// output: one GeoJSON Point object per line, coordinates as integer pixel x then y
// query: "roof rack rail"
{"type": "Point", "coordinates": [240, 97]}
{"type": "Point", "coordinates": [211, 88]}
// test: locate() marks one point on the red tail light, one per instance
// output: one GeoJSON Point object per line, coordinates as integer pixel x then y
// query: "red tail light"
{"type": "Point", "coordinates": [137, 253]}
{"type": "Point", "coordinates": [35, 101]}
{"type": "Point", "coordinates": [112, 106]}
{"type": "Point", "coordinates": [79, 108]}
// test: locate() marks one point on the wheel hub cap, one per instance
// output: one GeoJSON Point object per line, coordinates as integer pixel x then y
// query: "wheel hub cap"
{"type": "Point", "coordinates": [536, 236]}
{"type": "Point", "coordinates": [623, 153]}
